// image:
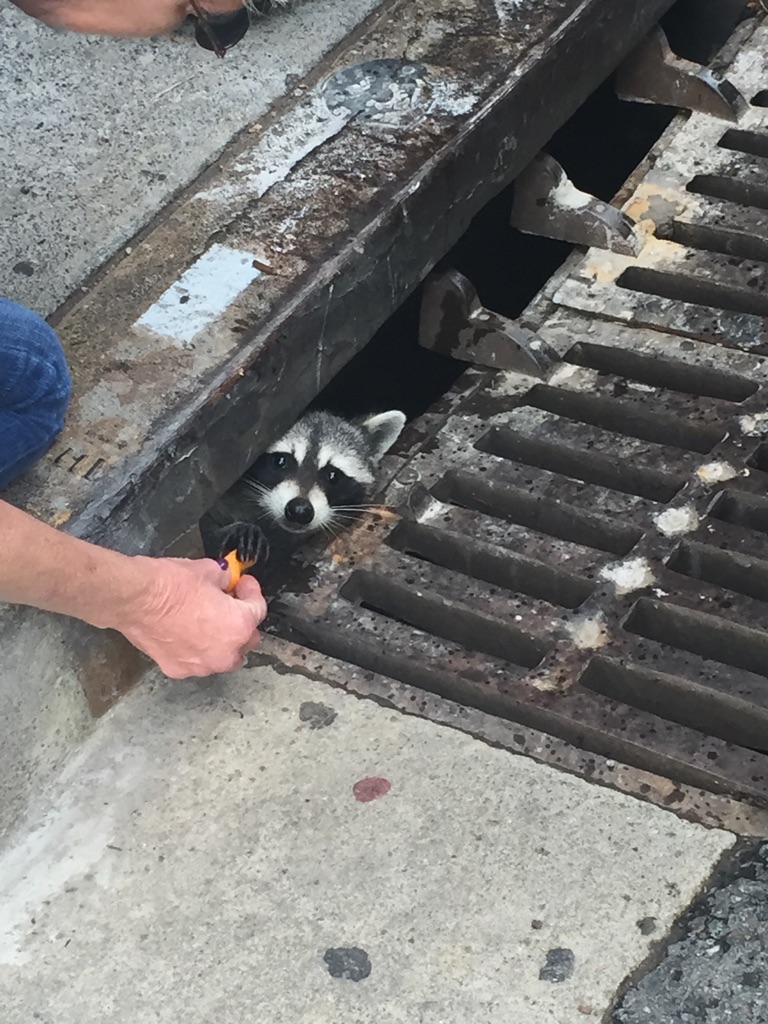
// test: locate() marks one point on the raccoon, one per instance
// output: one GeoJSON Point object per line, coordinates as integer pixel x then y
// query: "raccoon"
{"type": "Point", "coordinates": [317, 477]}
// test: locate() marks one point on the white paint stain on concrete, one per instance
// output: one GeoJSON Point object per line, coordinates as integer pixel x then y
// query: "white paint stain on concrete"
{"type": "Point", "coordinates": [674, 521]}
{"type": "Point", "coordinates": [201, 294]}
{"type": "Point", "coordinates": [629, 575]}
{"type": "Point", "coordinates": [278, 151]}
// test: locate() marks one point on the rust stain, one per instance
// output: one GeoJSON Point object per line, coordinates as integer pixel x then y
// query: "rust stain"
{"type": "Point", "coordinates": [361, 542]}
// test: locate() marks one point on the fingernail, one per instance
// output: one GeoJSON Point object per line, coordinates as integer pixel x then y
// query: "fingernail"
{"type": "Point", "coordinates": [223, 563]}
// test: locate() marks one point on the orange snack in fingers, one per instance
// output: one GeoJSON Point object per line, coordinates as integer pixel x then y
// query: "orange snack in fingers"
{"type": "Point", "coordinates": [236, 569]}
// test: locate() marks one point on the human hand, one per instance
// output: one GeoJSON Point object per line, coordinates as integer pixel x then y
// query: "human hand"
{"type": "Point", "coordinates": [117, 18]}
{"type": "Point", "coordinates": [184, 621]}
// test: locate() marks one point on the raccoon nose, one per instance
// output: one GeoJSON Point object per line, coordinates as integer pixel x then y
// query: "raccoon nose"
{"type": "Point", "coordinates": [299, 511]}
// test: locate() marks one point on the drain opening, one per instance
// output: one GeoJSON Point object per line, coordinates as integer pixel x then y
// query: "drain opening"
{"type": "Point", "coordinates": [660, 371]}
{"type": "Point", "coordinates": [732, 190]}
{"type": "Point", "coordinates": [742, 509]}
{"type": "Point", "coordinates": [627, 418]}
{"type": "Point", "coordinates": [709, 238]}
{"type": "Point", "coordinates": [706, 635]}
{"type": "Point", "coordinates": [580, 464]}
{"type": "Point", "coordinates": [603, 533]}
{"type": "Point", "coordinates": [669, 285]}
{"type": "Point", "coordinates": [759, 460]}
{"type": "Point", "coordinates": [507, 267]}
{"type": "Point", "coordinates": [501, 567]}
{"type": "Point", "coordinates": [741, 574]}
{"type": "Point", "coordinates": [684, 701]}
{"type": "Point", "coordinates": [434, 615]}
{"type": "Point", "coordinates": [741, 141]}
{"type": "Point", "coordinates": [422, 610]}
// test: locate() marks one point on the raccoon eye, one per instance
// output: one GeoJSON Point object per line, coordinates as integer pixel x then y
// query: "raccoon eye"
{"type": "Point", "coordinates": [279, 460]}
{"type": "Point", "coordinates": [332, 475]}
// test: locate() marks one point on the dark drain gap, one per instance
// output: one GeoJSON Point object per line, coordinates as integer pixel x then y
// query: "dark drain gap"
{"type": "Point", "coordinates": [599, 147]}
{"type": "Point", "coordinates": [681, 287]}
{"type": "Point", "coordinates": [738, 573]}
{"type": "Point", "coordinates": [716, 239]}
{"type": "Point", "coordinates": [733, 190]}
{"type": "Point", "coordinates": [578, 464]}
{"type": "Point", "coordinates": [741, 141]}
{"type": "Point", "coordinates": [702, 634]}
{"type": "Point", "coordinates": [759, 459]}
{"type": "Point", "coordinates": [497, 566]}
{"type": "Point", "coordinates": [626, 418]}
{"type": "Point", "coordinates": [662, 372]}
{"type": "Point", "coordinates": [760, 99]}
{"type": "Point", "coordinates": [547, 517]}
{"type": "Point", "coordinates": [442, 619]}
{"type": "Point", "coordinates": [742, 509]}
{"type": "Point", "coordinates": [679, 700]}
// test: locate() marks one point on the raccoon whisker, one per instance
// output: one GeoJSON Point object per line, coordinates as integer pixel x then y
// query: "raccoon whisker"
{"type": "Point", "coordinates": [374, 505]}
{"type": "Point", "coordinates": [334, 530]}
{"type": "Point", "coordinates": [255, 488]}
{"type": "Point", "coordinates": [376, 510]}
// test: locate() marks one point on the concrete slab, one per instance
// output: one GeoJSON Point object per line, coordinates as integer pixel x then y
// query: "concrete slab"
{"type": "Point", "coordinates": [211, 856]}
{"type": "Point", "coordinates": [99, 134]}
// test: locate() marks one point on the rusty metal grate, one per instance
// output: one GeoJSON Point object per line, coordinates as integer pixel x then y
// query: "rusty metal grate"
{"type": "Point", "coordinates": [588, 556]}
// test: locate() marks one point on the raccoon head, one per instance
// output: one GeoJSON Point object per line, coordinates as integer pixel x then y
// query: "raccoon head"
{"type": "Point", "coordinates": [319, 475]}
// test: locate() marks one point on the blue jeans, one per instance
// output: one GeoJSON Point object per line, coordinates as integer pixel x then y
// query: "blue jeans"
{"type": "Point", "coordinates": [35, 389]}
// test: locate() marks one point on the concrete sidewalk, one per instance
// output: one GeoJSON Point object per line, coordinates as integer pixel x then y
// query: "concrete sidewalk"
{"type": "Point", "coordinates": [97, 135]}
{"type": "Point", "coordinates": [211, 856]}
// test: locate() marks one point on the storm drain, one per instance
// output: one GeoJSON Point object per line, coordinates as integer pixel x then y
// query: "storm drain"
{"type": "Point", "coordinates": [588, 554]}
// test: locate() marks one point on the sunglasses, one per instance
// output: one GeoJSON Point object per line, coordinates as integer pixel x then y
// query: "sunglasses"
{"type": "Point", "coordinates": [219, 32]}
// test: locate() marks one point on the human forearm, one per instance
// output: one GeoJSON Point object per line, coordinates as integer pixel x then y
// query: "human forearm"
{"type": "Point", "coordinates": [173, 609]}
{"type": "Point", "coordinates": [43, 567]}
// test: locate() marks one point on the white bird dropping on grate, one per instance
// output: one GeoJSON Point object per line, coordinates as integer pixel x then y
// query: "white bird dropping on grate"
{"type": "Point", "coordinates": [632, 574]}
{"type": "Point", "coordinates": [674, 521]}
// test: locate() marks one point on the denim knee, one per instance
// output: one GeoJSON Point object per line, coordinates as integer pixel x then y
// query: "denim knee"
{"type": "Point", "coordinates": [35, 388]}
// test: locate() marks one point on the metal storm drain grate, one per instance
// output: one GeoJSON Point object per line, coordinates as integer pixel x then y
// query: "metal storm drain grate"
{"type": "Point", "coordinates": [588, 554]}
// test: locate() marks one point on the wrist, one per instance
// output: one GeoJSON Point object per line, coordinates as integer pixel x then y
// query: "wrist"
{"type": "Point", "coordinates": [125, 595]}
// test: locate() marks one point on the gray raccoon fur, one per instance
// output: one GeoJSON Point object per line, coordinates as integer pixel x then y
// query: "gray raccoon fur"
{"type": "Point", "coordinates": [319, 476]}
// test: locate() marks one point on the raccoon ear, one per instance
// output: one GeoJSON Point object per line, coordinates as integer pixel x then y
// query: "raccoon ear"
{"type": "Point", "coordinates": [384, 429]}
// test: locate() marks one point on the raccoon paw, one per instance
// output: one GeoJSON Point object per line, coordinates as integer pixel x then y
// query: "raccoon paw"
{"type": "Point", "coordinates": [246, 540]}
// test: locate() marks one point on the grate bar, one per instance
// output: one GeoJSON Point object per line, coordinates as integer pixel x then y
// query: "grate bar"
{"type": "Point", "coordinates": [586, 718]}
{"type": "Point", "coordinates": [453, 589]}
{"type": "Point", "coordinates": [589, 555]}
